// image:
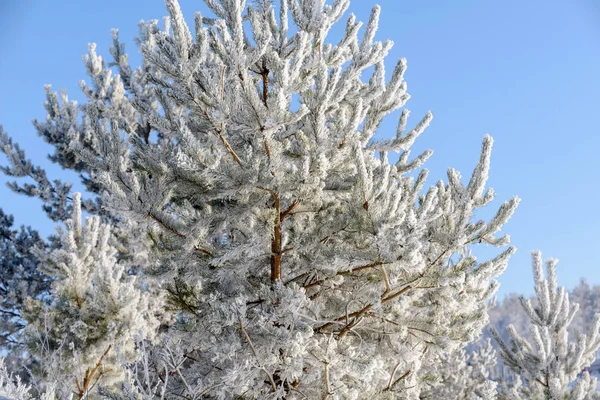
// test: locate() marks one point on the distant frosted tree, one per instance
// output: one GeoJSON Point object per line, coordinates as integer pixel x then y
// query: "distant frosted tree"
{"type": "Point", "coordinates": [508, 312]}
{"type": "Point", "coordinates": [550, 367]}
{"type": "Point", "coordinates": [89, 329]}
{"type": "Point", "coordinates": [11, 388]}
{"type": "Point", "coordinates": [462, 375]}
{"type": "Point", "coordinates": [299, 262]}
{"type": "Point", "coordinates": [588, 298]}
{"type": "Point", "coordinates": [20, 279]}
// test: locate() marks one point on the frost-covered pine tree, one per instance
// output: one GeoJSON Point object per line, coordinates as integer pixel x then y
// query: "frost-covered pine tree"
{"type": "Point", "coordinates": [11, 387]}
{"type": "Point", "coordinates": [82, 339]}
{"type": "Point", "coordinates": [20, 279]}
{"type": "Point", "coordinates": [550, 367]}
{"type": "Point", "coordinates": [298, 260]}
{"type": "Point", "coordinates": [462, 374]}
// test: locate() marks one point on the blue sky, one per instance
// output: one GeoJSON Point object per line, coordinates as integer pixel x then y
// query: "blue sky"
{"type": "Point", "coordinates": [527, 72]}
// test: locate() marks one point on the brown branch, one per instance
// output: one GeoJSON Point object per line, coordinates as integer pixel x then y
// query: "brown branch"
{"type": "Point", "coordinates": [358, 314]}
{"type": "Point", "coordinates": [351, 315]}
{"type": "Point", "coordinates": [355, 320]}
{"type": "Point", "coordinates": [367, 308]}
{"type": "Point", "coordinates": [385, 278]}
{"type": "Point", "coordinates": [276, 250]}
{"type": "Point", "coordinates": [201, 250]}
{"type": "Point", "coordinates": [267, 150]}
{"type": "Point", "coordinates": [315, 283]}
{"type": "Point", "coordinates": [297, 277]}
{"type": "Point", "coordinates": [438, 257]}
{"type": "Point", "coordinates": [84, 387]}
{"type": "Point", "coordinates": [247, 338]}
{"type": "Point", "coordinates": [265, 81]}
{"type": "Point", "coordinates": [229, 148]}
{"type": "Point", "coordinates": [398, 293]}
{"type": "Point", "coordinates": [265, 96]}
{"type": "Point", "coordinates": [276, 240]}
{"type": "Point", "coordinates": [165, 226]}
{"type": "Point", "coordinates": [391, 381]}
{"type": "Point", "coordinates": [398, 380]}
{"type": "Point", "coordinates": [284, 214]}
{"type": "Point", "coordinates": [372, 265]}
{"type": "Point", "coordinates": [540, 382]}
{"type": "Point", "coordinates": [276, 245]}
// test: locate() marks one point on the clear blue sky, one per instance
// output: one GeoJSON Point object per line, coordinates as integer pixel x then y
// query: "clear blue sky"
{"type": "Point", "coordinates": [527, 72]}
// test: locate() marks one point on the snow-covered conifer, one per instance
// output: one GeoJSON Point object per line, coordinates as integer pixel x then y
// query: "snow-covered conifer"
{"type": "Point", "coordinates": [550, 366]}
{"type": "Point", "coordinates": [299, 260]}
{"type": "Point", "coordinates": [462, 374]}
{"type": "Point", "coordinates": [20, 279]}
{"type": "Point", "coordinates": [11, 387]}
{"type": "Point", "coordinates": [96, 312]}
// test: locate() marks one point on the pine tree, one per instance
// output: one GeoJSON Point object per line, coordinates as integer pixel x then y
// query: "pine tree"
{"type": "Point", "coordinates": [11, 388]}
{"type": "Point", "coordinates": [89, 330]}
{"type": "Point", "coordinates": [462, 374]}
{"type": "Point", "coordinates": [298, 261]}
{"type": "Point", "coordinates": [20, 279]}
{"type": "Point", "coordinates": [550, 366]}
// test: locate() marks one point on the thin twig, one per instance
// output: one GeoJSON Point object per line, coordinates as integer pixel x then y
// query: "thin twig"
{"type": "Point", "coordinates": [348, 272]}
{"type": "Point", "coordinates": [218, 130]}
{"type": "Point", "coordinates": [358, 314]}
{"type": "Point", "coordinates": [326, 377]}
{"type": "Point", "coordinates": [326, 238]}
{"type": "Point", "coordinates": [177, 233]}
{"type": "Point", "coordinates": [400, 379]}
{"type": "Point", "coordinates": [223, 82]}
{"type": "Point", "coordinates": [289, 210]}
{"type": "Point", "coordinates": [256, 356]}
{"type": "Point", "coordinates": [229, 148]}
{"type": "Point", "coordinates": [390, 382]}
